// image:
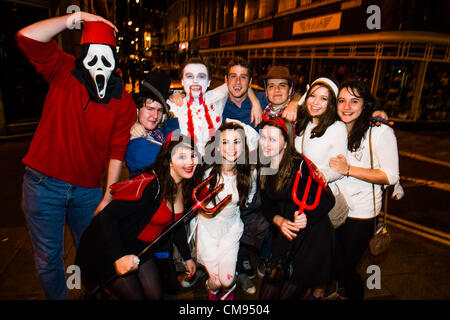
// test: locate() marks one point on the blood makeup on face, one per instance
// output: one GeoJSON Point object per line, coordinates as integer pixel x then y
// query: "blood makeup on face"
{"type": "Point", "coordinates": [195, 79]}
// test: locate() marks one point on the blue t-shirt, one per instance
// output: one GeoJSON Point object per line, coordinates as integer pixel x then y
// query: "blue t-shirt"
{"type": "Point", "coordinates": [232, 111]}
{"type": "Point", "coordinates": [141, 153]}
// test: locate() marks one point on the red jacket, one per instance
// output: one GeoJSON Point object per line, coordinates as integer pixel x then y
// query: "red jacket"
{"type": "Point", "coordinates": [76, 137]}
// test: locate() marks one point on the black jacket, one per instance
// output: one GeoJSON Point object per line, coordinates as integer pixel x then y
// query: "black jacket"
{"type": "Point", "coordinates": [313, 248]}
{"type": "Point", "coordinates": [113, 233]}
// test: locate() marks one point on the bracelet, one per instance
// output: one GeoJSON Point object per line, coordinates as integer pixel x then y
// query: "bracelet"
{"type": "Point", "coordinates": [348, 171]}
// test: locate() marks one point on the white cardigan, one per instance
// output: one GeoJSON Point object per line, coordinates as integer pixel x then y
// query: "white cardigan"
{"type": "Point", "coordinates": [320, 149]}
{"type": "Point", "coordinates": [358, 193]}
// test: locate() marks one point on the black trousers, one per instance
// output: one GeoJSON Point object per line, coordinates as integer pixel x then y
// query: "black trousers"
{"type": "Point", "coordinates": [352, 239]}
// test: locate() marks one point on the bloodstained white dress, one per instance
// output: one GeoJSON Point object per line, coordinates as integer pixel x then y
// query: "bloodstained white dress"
{"type": "Point", "coordinates": [218, 235]}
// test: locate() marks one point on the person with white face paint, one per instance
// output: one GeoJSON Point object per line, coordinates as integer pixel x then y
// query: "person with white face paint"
{"type": "Point", "coordinates": [200, 112]}
{"type": "Point", "coordinates": [84, 130]}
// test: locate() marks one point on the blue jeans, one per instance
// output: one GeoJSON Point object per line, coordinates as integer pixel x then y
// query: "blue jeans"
{"type": "Point", "coordinates": [46, 202]}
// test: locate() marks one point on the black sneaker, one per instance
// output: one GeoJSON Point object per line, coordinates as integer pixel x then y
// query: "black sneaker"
{"type": "Point", "coordinates": [248, 269]}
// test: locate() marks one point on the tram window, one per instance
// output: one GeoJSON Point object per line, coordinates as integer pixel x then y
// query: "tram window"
{"type": "Point", "coordinates": [435, 99]}
{"type": "Point", "coordinates": [396, 88]}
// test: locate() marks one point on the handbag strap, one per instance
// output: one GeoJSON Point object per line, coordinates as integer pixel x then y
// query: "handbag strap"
{"type": "Point", "coordinates": [373, 189]}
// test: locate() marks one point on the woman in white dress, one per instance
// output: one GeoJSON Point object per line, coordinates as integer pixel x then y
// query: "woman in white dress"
{"type": "Point", "coordinates": [217, 235]}
{"type": "Point", "coordinates": [320, 135]}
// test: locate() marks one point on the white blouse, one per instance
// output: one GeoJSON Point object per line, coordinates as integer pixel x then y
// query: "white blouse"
{"type": "Point", "coordinates": [358, 193]}
{"type": "Point", "coordinates": [320, 149]}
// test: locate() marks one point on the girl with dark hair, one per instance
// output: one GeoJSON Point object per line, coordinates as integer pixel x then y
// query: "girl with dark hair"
{"type": "Point", "coordinates": [320, 136]}
{"type": "Point", "coordinates": [141, 209]}
{"type": "Point", "coordinates": [303, 242]}
{"type": "Point", "coordinates": [355, 107]}
{"type": "Point", "coordinates": [217, 236]}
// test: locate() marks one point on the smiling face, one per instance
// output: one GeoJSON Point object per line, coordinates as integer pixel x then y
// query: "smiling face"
{"type": "Point", "coordinates": [231, 145]}
{"type": "Point", "coordinates": [238, 81]}
{"type": "Point", "coordinates": [349, 106]}
{"type": "Point", "coordinates": [195, 79]}
{"type": "Point", "coordinates": [278, 91]}
{"type": "Point", "coordinates": [317, 101]}
{"type": "Point", "coordinates": [150, 114]}
{"type": "Point", "coordinates": [272, 142]}
{"type": "Point", "coordinates": [183, 163]}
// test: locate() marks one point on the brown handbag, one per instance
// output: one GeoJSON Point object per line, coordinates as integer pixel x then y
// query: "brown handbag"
{"type": "Point", "coordinates": [381, 239]}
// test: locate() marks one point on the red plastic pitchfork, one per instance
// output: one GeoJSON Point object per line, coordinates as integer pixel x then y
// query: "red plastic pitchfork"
{"type": "Point", "coordinates": [199, 204]}
{"type": "Point", "coordinates": [302, 204]}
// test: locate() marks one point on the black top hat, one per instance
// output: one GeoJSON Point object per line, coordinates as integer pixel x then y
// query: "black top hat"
{"type": "Point", "coordinates": [156, 87]}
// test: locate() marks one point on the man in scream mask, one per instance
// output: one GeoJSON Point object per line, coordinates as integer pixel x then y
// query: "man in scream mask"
{"type": "Point", "coordinates": [84, 129]}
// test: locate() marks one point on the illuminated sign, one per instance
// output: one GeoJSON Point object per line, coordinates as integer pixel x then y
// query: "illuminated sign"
{"type": "Point", "coordinates": [318, 24]}
{"type": "Point", "coordinates": [203, 43]}
{"type": "Point", "coordinates": [260, 34]}
{"type": "Point", "coordinates": [228, 38]}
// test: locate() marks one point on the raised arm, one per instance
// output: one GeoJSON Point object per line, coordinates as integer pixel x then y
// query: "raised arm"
{"type": "Point", "coordinates": [45, 30]}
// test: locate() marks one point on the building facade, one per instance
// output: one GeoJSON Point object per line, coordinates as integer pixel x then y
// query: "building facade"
{"type": "Point", "coordinates": [401, 49]}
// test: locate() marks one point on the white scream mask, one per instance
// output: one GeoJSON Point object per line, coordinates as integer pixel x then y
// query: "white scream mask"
{"type": "Point", "coordinates": [100, 63]}
{"type": "Point", "coordinates": [195, 79]}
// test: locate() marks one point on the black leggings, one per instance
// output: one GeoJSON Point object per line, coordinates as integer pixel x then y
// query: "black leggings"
{"type": "Point", "coordinates": [352, 239]}
{"type": "Point", "coordinates": [147, 282]}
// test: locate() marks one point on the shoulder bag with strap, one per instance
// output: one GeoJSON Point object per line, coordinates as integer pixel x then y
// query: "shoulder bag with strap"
{"type": "Point", "coordinates": [381, 238]}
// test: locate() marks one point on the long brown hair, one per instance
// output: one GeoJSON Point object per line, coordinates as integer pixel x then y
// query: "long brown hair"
{"type": "Point", "coordinates": [161, 168]}
{"type": "Point", "coordinates": [326, 119]}
{"type": "Point", "coordinates": [288, 160]}
{"type": "Point", "coordinates": [242, 167]}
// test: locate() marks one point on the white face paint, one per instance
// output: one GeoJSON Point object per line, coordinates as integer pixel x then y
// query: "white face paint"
{"type": "Point", "coordinates": [100, 63]}
{"type": "Point", "coordinates": [195, 79]}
